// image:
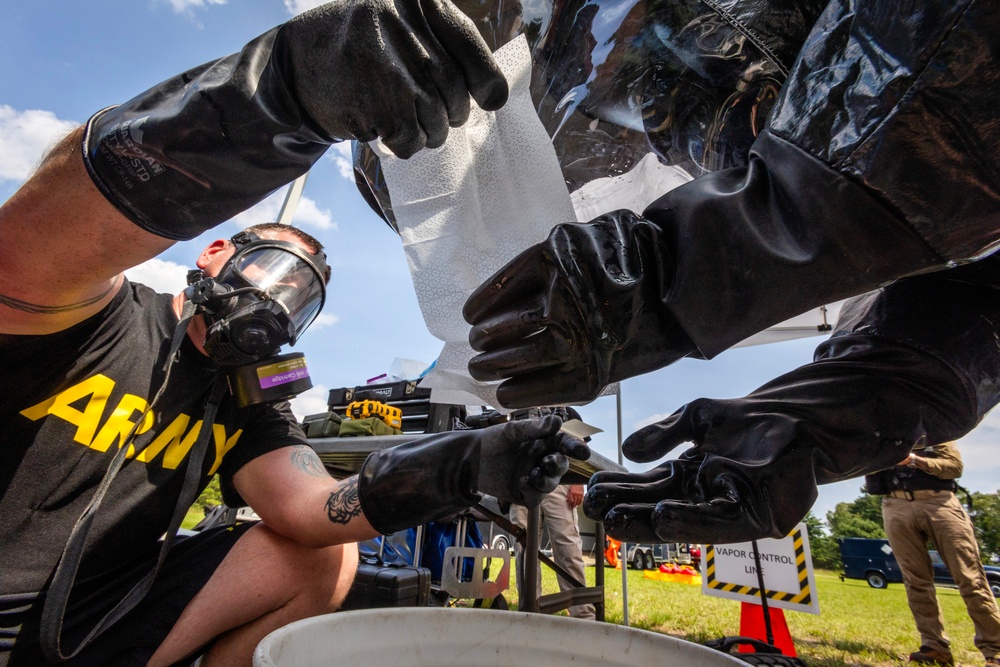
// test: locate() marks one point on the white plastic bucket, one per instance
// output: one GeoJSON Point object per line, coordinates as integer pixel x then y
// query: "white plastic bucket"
{"type": "Point", "coordinates": [438, 637]}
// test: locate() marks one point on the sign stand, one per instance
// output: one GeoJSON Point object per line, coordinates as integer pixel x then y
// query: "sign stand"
{"type": "Point", "coordinates": [763, 593]}
{"type": "Point", "coordinates": [737, 572]}
{"type": "Point", "coordinates": [755, 623]}
{"type": "Point", "coordinates": [750, 617]}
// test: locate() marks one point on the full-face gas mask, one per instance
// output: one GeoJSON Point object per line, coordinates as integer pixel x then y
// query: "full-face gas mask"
{"type": "Point", "coordinates": [264, 297]}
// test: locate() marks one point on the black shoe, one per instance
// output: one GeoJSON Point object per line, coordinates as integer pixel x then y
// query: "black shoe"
{"type": "Point", "coordinates": [931, 656]}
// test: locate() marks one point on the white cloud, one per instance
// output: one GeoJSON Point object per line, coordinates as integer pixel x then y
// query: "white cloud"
{"type": "Point", "coordinates": [340, 154]}
{"type": "Point", "coordinates": [25, 136]}
{"type": "Point", "coordinates": [183, 6]}
{"type": "Point", "coordinates": [265, 211]}
{"type": "Point", "coordinates": [652, 419]}
{"type": "Point", "coordinates": [310, 402]}
{"type": "Point", "coordinates": [307, 214]}
{"type": "Point", "coordinates": [160, 275]}
{"type": "Point", "coordinates": [298, 6]}
{"type": "Point", "coordinates": [979, 454]}
{"type": "Point", "coordinates": [324, 320]}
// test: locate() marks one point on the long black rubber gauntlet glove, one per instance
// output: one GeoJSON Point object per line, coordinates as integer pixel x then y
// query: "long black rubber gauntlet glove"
{"type": "Point", "coordinates": [756, 461]}
{"type": "Point", "coordinates": [207, 144]}
{"type": "Point", "coordinates": [517, 462]}
{"type": "Point", "coordinates": [706, 266]}
{"type": "Point", "coordinates": [915, 361]}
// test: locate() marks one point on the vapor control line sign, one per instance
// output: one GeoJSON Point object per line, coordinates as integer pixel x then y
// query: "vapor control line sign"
{"type": "Point", "coordinates": [731, 572]}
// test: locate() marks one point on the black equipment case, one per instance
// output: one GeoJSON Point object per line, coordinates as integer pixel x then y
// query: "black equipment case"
{"type": "Point", "coordinates": [377, 586]}
{"type": "Point", "coordinates": [419, 414]}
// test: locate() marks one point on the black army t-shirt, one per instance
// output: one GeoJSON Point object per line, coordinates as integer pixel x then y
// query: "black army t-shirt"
{"type": "Point", "coordinates": [68, 402]}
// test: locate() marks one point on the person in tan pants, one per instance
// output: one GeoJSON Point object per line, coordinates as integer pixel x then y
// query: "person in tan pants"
{"type": "Point", "coordinates": [921, 506]}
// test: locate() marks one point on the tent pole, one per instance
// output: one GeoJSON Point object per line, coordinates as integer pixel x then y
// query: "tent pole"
{"type": "Point", "coordinates": [624, 557]}
{"type": "Point", "coordinates": [292, 198]}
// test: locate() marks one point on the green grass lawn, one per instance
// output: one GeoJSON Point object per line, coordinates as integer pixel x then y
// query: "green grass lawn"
{"type": "Point", "coordinates": [857, 625]}
{"type": "Point", "coordinates": [193, 516]}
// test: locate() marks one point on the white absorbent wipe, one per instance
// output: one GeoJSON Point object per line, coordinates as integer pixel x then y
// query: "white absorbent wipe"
{"type": "Point", "coordinates": [493, 189]}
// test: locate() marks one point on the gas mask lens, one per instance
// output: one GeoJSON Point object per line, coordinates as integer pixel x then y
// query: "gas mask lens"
{"type": "Point", "coordinates": [286, 279]}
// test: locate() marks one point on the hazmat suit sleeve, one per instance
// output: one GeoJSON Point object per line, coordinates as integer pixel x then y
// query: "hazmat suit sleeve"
{"type": "Point", "coordinates": [879, 160]}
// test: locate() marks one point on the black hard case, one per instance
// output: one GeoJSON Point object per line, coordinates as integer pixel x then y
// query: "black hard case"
{"type": "Point", "coordinates": [377, 586]}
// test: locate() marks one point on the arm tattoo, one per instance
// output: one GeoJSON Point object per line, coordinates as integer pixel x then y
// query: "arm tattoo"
{"type": "Point", "coordinates": [344, 504]}
{"type": "Point", "coordinates": [306, 460]}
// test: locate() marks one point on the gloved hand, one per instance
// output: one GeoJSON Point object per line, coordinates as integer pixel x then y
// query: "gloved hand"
{"type": "Point", "coordinates": [207, 144]}
{"type": "Point", "coordinates": [707, 265]}
{"type": "Point", "coordinates": [756, 461]}
{"type": "Point", "coordinates": [574, 313]}
{"type": "Point", "coordinates": [401, 70]}
{"type": "Point", "coordinates": [517, 462]}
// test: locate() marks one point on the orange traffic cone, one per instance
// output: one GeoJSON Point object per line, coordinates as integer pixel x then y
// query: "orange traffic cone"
{"type": "Point", "coordinates": [752, 625]}
{"type": "Point", "coordinates": [611, 552]}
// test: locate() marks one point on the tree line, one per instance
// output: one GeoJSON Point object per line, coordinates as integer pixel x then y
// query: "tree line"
{"type": "Point", "coordinates": [862, 517]}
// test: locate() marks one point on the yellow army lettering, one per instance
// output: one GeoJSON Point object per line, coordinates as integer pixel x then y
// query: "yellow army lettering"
{"type": "Point", "coordinates": [175, 441]}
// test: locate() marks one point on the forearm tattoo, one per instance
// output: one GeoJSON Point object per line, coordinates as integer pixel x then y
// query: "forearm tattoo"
{"type": "Point", "coordinates": [306, 460]}
{"type": "Point", "coordinates": [344, 503]}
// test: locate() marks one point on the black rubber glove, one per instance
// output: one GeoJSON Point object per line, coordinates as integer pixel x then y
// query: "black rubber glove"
{"type": "Point", "coordinates": [401, 70]}
{"type": "Point", "coordinates": [207, 144]}
{"type": "Point", "coordinates": [917, 361]}
{"type": "Point", "coordinates": [517, 462]}
{"type": "Point", "coordinates": [572, 314]}
{"type": "Point", "coordinates": [757, 460]}
{"type": "Point", "coordinates": [706, 266]}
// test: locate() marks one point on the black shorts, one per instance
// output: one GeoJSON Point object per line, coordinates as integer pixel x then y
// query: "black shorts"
{"type": "Point", "coordinates": [133, 639]}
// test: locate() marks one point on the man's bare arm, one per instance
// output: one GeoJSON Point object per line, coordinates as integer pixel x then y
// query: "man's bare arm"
{"type": "Point", "coordinates": [292, 492]}
{"type": "Point", "coordinates": [63, 246]}
{"type": "Point", "coordinates": [410, 484]}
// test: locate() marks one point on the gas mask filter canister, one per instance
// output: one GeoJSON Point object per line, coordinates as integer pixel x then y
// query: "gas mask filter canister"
{"type": "Point", "coordinates": [276, 378]}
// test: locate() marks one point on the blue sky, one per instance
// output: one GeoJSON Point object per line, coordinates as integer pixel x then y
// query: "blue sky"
{"type": "Point", "coordinates": [60, 61]}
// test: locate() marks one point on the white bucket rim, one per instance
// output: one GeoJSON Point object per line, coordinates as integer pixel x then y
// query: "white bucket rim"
{"type": "Point", "coordinates": [500, 620]}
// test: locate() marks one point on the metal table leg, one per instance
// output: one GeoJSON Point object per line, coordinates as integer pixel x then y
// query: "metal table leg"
{"type": "Point", "coordinates": [599, 568]}
{"type": "Point", "coordinates": [529, 591]}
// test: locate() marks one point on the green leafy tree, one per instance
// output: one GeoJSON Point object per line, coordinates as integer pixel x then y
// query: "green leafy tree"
{"type": "Point", "coordinates": [985, 515]}
{"type": "Point", "coordinates": [211, 496]}
{"type": "Point", "coordinates": [861, 517]}
{"type": "Point", "coordinates": [824, 548]}
{"type": "Point", "coordinates": [814, 526]}
{"type": "Point", "coordinates": [868, 507]}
